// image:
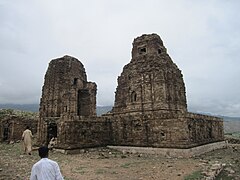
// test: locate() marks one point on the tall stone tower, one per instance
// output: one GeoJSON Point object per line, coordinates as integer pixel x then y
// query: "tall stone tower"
{"type": "Point", "coordinates": [66, 95]}
{"type": "Point", "coordinates": [150, 103]}
{"type": "Point", "coordinates": [151, 81]}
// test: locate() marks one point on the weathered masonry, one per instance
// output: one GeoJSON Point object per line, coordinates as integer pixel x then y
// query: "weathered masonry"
{"type": "Point", "coordinates": [150, 108]}
{"type": "Point", "coordinates": [67, 97]}
{"type": "Point", "coordinates": [12, 127]}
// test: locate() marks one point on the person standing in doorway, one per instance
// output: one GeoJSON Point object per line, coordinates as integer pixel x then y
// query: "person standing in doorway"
{"type": "Point", "coordinates": [27, 140]}
{"type": "Point", "coordinates": [45, 169]}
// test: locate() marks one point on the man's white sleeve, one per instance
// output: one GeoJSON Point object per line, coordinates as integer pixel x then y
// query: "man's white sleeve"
{"type": "Point", "coordinates": [33, 174]}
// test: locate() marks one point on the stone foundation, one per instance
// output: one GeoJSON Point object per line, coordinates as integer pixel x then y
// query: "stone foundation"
{"type": "Point", "coordinates": [172, 152]}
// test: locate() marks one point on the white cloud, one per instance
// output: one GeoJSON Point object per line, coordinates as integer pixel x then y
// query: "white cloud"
{"type": "Point", "coordinates": [202, 37]}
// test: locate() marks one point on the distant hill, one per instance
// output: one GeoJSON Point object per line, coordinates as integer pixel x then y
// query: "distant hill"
{"type": "Point", "coordinates": [35, 108]}
{"type": "Point", "coordinates": [22, 107]}
{"type": "Point", "coordinates": [231, 124]}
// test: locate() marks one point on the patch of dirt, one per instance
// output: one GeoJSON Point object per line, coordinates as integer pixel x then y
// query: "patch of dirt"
{"type": "Point", "coordinates": [106, 164]}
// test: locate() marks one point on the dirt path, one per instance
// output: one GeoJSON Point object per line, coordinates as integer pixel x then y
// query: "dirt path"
{"type": "Point", "coordinates": [105, 164]}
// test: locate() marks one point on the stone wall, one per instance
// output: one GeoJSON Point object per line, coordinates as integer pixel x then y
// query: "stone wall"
{"type": "Point", "coordinates": [169, 130]}
{"type": "Point", "coordinates": [204, 129]}
{"type": "Point", "coordinates": [86, 133]}
{"type": "Point", "coordinates": [12, 127]}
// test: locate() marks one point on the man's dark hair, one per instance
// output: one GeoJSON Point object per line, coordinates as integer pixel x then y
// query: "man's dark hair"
{"type": "Point", "coordinates": [27, 127]}
{"type": "Point", "coordinates": [43, 151]}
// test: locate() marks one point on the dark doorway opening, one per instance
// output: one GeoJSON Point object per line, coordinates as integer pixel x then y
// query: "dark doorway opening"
{"type": "Point", "coordinates": [51, 131]}
{"type": "Point", "coordinates": [84, 102]}
{"type": "Point", "coordinates": [5, 133]}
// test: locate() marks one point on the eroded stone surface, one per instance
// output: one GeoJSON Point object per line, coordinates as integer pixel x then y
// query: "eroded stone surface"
{"type": "Point", "coordinates": [66, 96]}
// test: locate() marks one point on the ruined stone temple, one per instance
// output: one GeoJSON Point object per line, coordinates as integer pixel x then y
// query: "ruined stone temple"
{"type": "Point", "coordinates": [150, 108]}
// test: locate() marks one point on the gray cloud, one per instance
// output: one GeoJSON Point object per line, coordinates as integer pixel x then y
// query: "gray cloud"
{"type": "Point", "coordinates": [202, 37]}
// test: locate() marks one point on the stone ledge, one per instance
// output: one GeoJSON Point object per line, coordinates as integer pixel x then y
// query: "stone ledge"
{"type": "Point", "coordinates": [195, 151]}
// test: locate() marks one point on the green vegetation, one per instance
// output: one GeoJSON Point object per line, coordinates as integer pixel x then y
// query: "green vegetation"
{"type": "Point", "coordinates": [100, 171]}
{"type": "Point", "coordinates": [236, 134]}
{"type": "Point", "coordinates": [80, 170]}
{"type": "Point", "coordinates": [18, 113]}
{"type": "Point", "coordinates": [5, 112]}
{"type": "Point", "coordinates": [223, 175]}
{"type": "Point", "coordinates": [195, 175]}
{"type": "Point", "coordinates": [233, 134]}
{"type": "Point", "coordinates": [126, 165]}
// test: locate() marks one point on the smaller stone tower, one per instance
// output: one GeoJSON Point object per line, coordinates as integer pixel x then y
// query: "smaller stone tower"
{"type": "Point", "coordinates": [66, 96]}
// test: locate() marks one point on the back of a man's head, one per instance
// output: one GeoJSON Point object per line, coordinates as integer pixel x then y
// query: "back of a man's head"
{"type": "Point", "coordinates": [43, 151]}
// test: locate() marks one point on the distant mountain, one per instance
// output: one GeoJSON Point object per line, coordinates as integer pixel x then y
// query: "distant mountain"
{"type": "Point", "coordinates": [227, 118]}
{"type": "Point", "coordinates": [103, 109]}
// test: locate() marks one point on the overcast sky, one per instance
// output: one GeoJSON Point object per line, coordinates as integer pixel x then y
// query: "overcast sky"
{"type": "Point", "coordinates": [202, 38]}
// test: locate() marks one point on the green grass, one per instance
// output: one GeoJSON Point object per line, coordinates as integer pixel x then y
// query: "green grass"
{"type": "Point", "coordinates": [233, 134]}
{"type": "Point", "coordinates": [100, 171]}
{"type": "Point", "coordinates": [223, 175]}
{"type": "Point", "coordinates": [126, 165]}
{"type": "Point", "coordinates": [65, 178]}
{"type": "Point", "coordinates": [194, 176]}
{"type": "Point", "coordinates": [236, 134]}
{"type": "Point", "coordinates": [80, 170]}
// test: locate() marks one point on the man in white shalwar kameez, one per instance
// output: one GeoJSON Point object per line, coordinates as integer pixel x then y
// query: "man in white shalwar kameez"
{"type": "Point", "coordinates": [45, 169]}
{"type": "Point", "coordinates": [27, 140]}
